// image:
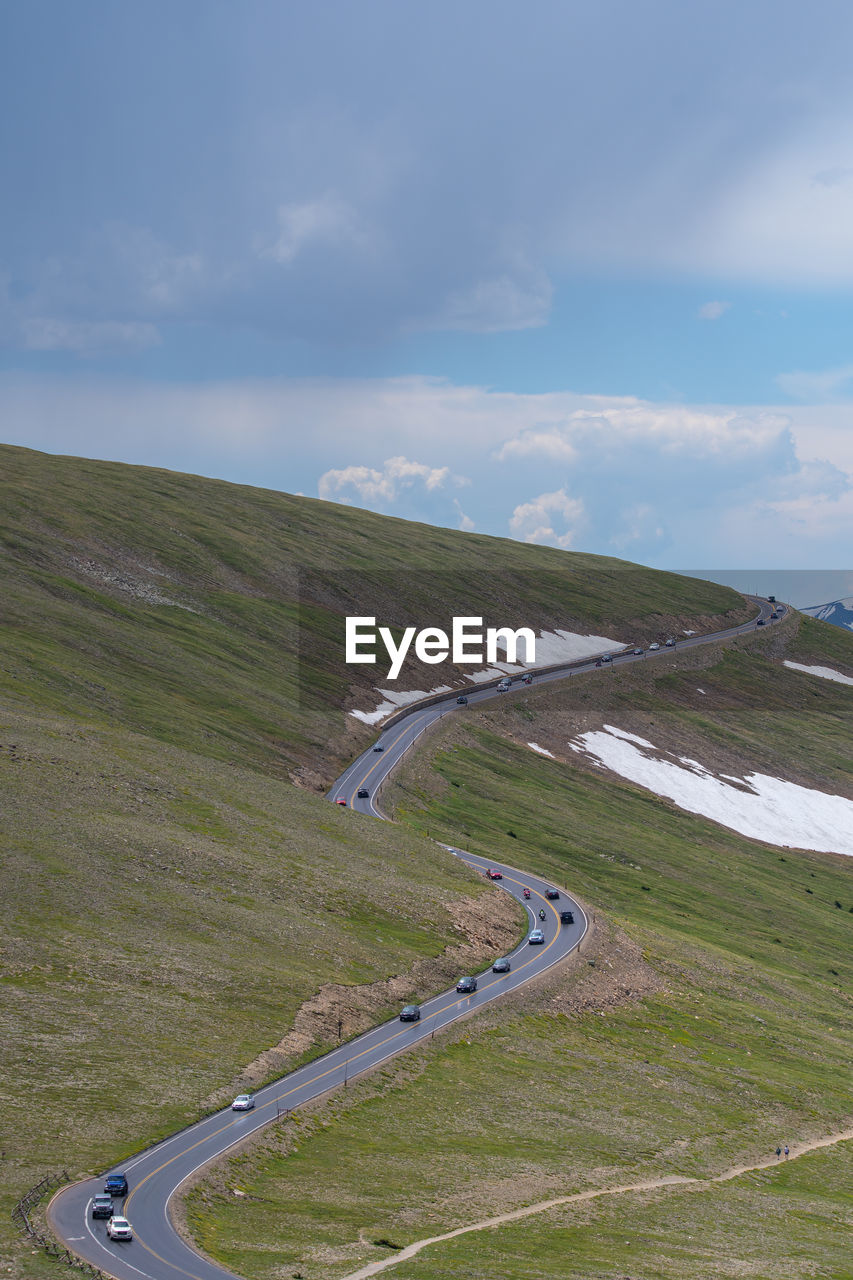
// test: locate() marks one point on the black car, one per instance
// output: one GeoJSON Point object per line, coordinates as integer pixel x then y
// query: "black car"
{"type": "Point", "coordinates": [462, 701]}
{"type": "Point", "coordinates": [637, 652]}
{"type": "Point", "coordinates": [553, 894]}
{"type": "Point", "coordinates": [760, 622]}
{"type": "Point", "coordinates": [102, 1206]}
{"type": "Point", "coordinates": [116, 1185]}
{"type": "Point", "coordinates": [466, 985]}
{"type": "Point", "coordinates": [567, 917]}
{"type": "Point", "coordinates": [410, 1013]}
{"type": "Point", "coordinates": [363, 794]}
{"type": "Point", "coordinates": [378, 747]}
{"type": "Point", "coordinates": [501, 966]}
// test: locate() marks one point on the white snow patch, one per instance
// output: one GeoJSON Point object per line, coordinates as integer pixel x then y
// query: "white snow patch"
{"type": "Point", "coordinates": [770, 810]}
{"type": "Point", "coordinates": [827, 673]}
{"type": "Point", "coordinates": [627, 737]}
{"type": "Point", "coordinates": [702, 691]}
{"type": "Point", "coordinates": [534, 746]}
{"type": "Point", "coordinates": [395, 698]}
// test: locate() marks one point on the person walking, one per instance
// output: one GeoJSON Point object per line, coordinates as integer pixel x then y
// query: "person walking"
{"type": "Point", "coordinates": [786, 1151]}
{"type": "Point", "coordinates": [778, 1153]}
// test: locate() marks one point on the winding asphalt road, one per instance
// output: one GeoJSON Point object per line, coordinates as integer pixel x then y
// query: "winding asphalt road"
{"type": "Point", "coordinates": [157, 1252]}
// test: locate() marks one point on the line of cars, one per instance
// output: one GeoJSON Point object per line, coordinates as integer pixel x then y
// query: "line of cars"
{"type": "Point", "coordinates": [118, 1227]}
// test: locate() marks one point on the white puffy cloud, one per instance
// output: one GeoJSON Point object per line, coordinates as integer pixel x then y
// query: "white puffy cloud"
{"type": "Point", "coordinates": [380, 488]}
{"type": "Point", "coordinates": [552, 519]}
{"type": "Point", "coordinates": [672, 429]}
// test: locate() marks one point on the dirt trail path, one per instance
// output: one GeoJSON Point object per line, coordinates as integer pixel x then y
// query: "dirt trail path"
{"type": "Point", "coordinates": [675, 1180]}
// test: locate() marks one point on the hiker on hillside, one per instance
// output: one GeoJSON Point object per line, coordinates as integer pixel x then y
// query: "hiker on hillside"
{"type": "Point", "coordinates": [786, 1151]}
{"type": "Point", "coordinates": [778, 1153]}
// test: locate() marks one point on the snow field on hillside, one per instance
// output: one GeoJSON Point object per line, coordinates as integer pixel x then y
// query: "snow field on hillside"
{"type": "Point", "coordinates": [826, 673]}
{"type": "Point", "coordinates": [759, 806]}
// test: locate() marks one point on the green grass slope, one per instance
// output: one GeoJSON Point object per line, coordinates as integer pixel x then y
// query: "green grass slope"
{"type": "Point", "coordinates": [707, 1020]}
{"type": "Point", "coordinates": [210, 615]}
{"type": "Point", "coordinates": [164, 918]}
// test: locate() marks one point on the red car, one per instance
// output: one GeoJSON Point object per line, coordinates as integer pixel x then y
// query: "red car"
{"type": "Point", "coordinates": [341, 800]}
{"type": "Point", "coordinates": [494, 875]}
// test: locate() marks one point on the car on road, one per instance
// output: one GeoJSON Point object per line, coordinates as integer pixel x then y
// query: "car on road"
{"type": "Point", "coordinates": [535, 937]}
{"type": "Point", "coordinates": [670, 643]}
{"type": "Point", "coordinates": [637, 652]}
{"type": "Point", "coordinates": [116, 1185]}
{"type": "Point", "coordinates": [243, 1102]}
{"type": "Point", "coordinates": [466, 985]}
{"type": "Point", "coordinates": [607, 657]}
{"type": "Point", "coordinates": [761, 622]}
{"type": "Point", "coordinates": [379, 747]}
{"type": "Point", "coordinates": [410, 1013]}
{"type": "Point", "coordinates": [567, 917]}
{"type": "Point", "coordinates": [655, 645]}
{"type": "Point", "coordinates": [501, 966]}
{"type": "Point", "coordinates": [774, 616]}
{"type": "Point", "coordinates": [492, 874]}
{"type": "Point", "coordinates": [553, 894]}
{"type": "Point", "coordinates": [119, 1229]}
{"type": "Point", "coordinates": [341, 800]}
{"type": "Point", "coordinates": [363, 793]}
{"type": "Point", "coordinates": [462, 701]}
{"type": "Point", "coordinates": [102, 1206]}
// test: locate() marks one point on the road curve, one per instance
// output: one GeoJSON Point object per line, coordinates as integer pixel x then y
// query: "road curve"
{"type": "Point", "coordinates": [154, 1176]}
{"type": "Point", "coordinates": [372, 767]}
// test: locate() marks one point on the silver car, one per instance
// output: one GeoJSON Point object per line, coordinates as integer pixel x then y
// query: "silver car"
{"type": "Point", "coordinates": [119, 1229]}
{"type": "Point", "coordinates": [243, 1102]}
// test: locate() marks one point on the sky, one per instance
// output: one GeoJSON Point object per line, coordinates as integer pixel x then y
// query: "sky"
{"type": "Point", "coordinates": [571, 273]}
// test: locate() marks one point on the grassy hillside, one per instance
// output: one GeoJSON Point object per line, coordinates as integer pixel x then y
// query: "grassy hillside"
{"type": "Point", "coordinates": [709, 1019]}
{"type": "Point", "coordinates": [171, 655]}
{"type": "Point", "coordinates": [210, 615]}
{"type": "Point", "coordinates": [164, 918]}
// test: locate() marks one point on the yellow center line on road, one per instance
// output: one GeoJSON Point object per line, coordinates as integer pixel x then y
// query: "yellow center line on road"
{"type": "Point", "coordinates": [376, 763]}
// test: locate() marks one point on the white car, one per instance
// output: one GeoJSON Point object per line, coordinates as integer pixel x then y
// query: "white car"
{"type": "Point", "coordinates": [654, 646]}
{"type": "Point", "coordinates": [243, 1102]}
{"type": "Point", "coordinates": [119, 1229]}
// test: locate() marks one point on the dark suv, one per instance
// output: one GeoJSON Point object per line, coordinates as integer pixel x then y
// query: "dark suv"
{"type": "Point", "coordinates": [466, 985]}
{"type": "Point", "coordinates": [102, 1206]}
{"type": "Point", "coordinates": [116, 1185]}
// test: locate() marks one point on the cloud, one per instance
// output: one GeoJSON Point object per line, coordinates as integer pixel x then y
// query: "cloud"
{"type": "Point", "coordinates": [727, 436]}
{"type": "Point", "coordinates": [669, 484]}
{"type": "Point", "coordinates": [824, 385]}
{"type": "Point", "coordinates": [42, 333]}
{"type": "Point", "coordinates": [535, 521]}
{"type": "Point", "coordinates": [373, 488]}
{"type": "Point", "coordinates": [502, 303]}
{"type": "Point", "coordinates": [322, 223]}
{"type": "Point", "coordinates": [713, 310]}
{"type": "Point", "coordinates": [466, 524]}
